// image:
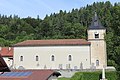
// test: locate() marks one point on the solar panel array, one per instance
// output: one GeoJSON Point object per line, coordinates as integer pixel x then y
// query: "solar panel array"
{"type": "Point", "coordinates": [16, 74]}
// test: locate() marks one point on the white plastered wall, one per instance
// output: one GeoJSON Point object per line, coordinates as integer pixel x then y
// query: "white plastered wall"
{"type": "Point", "coordinates": [79, 54]}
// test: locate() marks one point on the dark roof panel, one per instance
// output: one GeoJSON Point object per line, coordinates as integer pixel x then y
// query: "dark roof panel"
{"type": "Point", "coordinates": [96, 24]}
{"type": "Point", "coordinates": [16, 74]}
{"type": "Point", "coordinates": [3, 65]}
{"type": "Point", "coordinates": [28, 75]}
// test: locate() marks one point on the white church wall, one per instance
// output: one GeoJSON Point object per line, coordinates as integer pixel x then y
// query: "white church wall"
{"type": "Point", "coordinates": [79, 54]}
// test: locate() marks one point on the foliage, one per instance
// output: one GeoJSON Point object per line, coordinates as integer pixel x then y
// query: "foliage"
{"type": "Point", "coordinates": [118, 74]}
{"type": "Point", "coordinates": [63, 78]}
{"type": "Point", "coordinates": [110, 75]}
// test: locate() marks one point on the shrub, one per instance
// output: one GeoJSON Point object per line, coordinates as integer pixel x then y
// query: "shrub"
{"type": "Point", "coordinates": [110, 75]}
{"type": "Point", "coordinates": [63, 78]}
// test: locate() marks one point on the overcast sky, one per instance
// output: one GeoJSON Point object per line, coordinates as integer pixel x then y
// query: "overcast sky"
{"type": "Point", "coordinates": [32, 8]}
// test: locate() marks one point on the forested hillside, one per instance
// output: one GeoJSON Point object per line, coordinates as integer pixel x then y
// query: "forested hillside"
{"type": "Point", "coordinates": [65, 25]}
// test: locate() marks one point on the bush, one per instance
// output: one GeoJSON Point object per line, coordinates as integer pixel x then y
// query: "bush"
{"type": "Point", "coordinates": [118, 74]}
{"type": "Point", "coordinates": [91, 75]}
{"type": "Point", "coordinates": [62, 78]}
{"type": "Point", "coordinates": [110, 75]}
{"type": "Point", "coordinates": [77, 76]}
{"type": "Point", "coordinates": [111, 63]}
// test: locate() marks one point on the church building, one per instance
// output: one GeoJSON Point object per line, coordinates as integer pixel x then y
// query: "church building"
{"type": "Point", "coordinates": [64, 53]}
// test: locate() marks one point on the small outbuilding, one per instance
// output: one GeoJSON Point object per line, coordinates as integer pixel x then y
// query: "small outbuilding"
{"type": "Point", "coordinates": [7, 55]}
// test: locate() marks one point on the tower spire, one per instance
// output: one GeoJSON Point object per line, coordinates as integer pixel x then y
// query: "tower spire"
{"type": "Point", "coordinates": [96, 24]}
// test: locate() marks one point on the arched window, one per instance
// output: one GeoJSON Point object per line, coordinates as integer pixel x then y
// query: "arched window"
{"type": "Point", "coordinates": [97, 62]}
{"type": "Point", "coordinates": [69, 58]}
{"type": "Point", "coordinates": [37, 58]}
{"type": "Point", "coordinates": [52, 58]}
{"type": "Point", "coordinates": [21, 58]}
{"type": "Point", "coordinates": [96, 35]}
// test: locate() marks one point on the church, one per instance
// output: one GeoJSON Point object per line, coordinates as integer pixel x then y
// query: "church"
{"type": "Point", "coordinates": [64, 53]}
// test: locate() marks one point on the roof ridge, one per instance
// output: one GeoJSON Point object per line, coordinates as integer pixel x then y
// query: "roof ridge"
{"type": "Point", "coordinates": [55, 39]}
{"type": "Point", "coordinates": [53, 42]}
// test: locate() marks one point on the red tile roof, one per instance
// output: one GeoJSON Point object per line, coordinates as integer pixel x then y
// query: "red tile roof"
{"type": "Point", "coordinates": [6, 51]}
{"type": "Point", "coordinates": [36, 75]}
{"type": "Point", "coordinates": [53, 42]}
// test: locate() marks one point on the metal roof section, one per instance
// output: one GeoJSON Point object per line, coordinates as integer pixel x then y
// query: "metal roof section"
{"type": "Point", "coordinates": [96, 24]}
{"type": "Point", "coordinates": [16, 74]}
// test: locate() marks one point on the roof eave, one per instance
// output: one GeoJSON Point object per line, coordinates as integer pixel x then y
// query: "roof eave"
{"type": "Point", "coordinates": [7, 55]}
{"type": "Point", "coordinates": [96, 28]}
{"type": "Point", "coordinates": [53, 45]}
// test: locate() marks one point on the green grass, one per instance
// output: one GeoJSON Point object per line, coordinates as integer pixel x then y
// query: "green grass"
{"type": "Point", "coordinates": [62, 78]}
{"type": "Point", "coordinates": [110, 75]}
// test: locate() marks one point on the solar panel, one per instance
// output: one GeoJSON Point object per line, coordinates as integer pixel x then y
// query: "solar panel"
{"type": "Point", "coordinates": [27, 73]}
{"type": "Point", "coordinates": [19, 74]}
{"type": "Point", "coordinates": [16, 74]}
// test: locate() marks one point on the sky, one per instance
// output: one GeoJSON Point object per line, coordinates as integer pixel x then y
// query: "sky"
{"type": "Point", "coordinates": [32, 8]}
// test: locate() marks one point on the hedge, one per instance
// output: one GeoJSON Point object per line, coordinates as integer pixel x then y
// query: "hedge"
{"type": "Point", "coordinates": [63, 78]}
{"type": "Point", "coordinates": [110, 75]}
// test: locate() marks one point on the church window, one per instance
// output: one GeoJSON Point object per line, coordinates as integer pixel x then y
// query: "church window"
{"type": "Point", "coordinates": [96, 35]}
{"type": "Point", "coordinates": [52, 58]}
{"type": "Point", "coordinates": [21, 58]}
{"type": "Point", "coordinates": [37, 58]}
{"type": "Point", "coordinates": [69, 58]}
{"type": "Point", "coordinates": [97, 62]}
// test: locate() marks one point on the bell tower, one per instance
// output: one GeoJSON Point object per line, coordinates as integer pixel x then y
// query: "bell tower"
{"type": "Point", "coordinates": [96, 33]}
